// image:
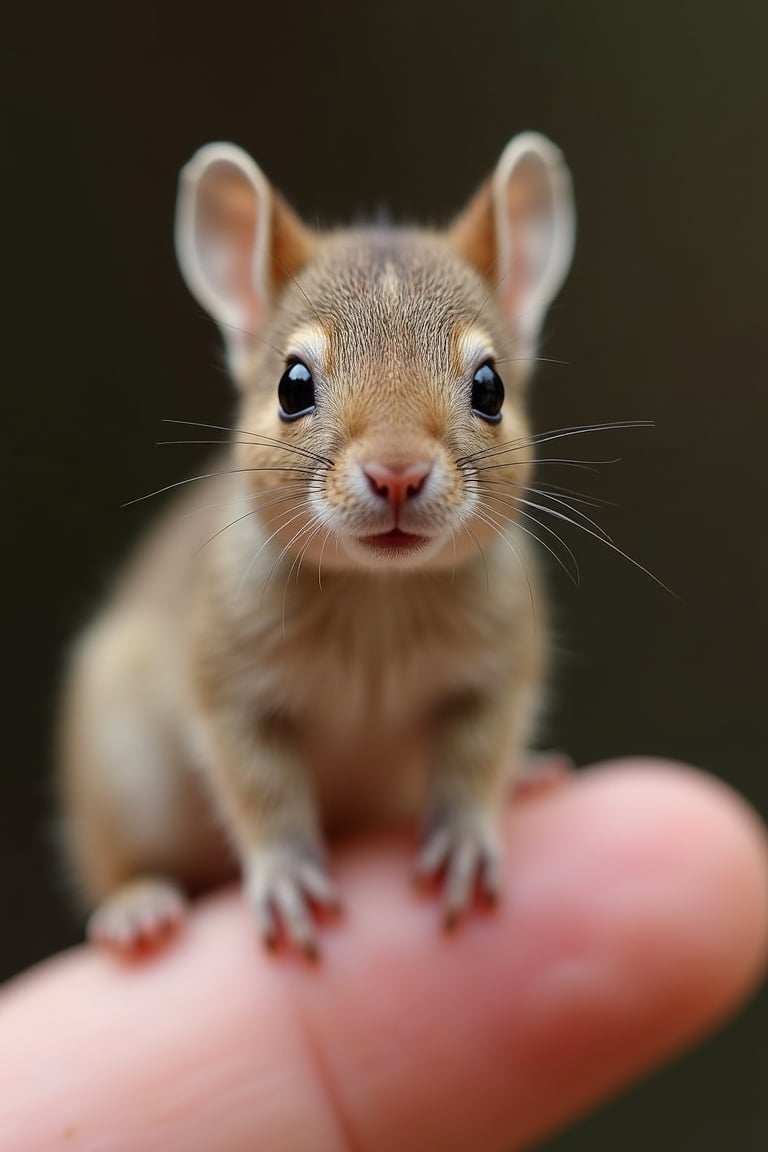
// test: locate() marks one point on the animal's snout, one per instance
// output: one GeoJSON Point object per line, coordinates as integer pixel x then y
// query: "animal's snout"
{"type": "Point", "coordinates": [396, 483]}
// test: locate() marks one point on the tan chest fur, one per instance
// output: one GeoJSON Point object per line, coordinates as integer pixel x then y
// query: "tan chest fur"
{"type": "Point", "coordinates": [360, 664]}
{"type": "Point", "coordinates": [359, 646]}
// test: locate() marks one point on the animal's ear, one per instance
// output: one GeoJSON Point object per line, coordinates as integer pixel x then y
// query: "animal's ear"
{"type": "Point", "coordinates": [237, 241]}
{"type": "Point", "coordinates": [519, 231]}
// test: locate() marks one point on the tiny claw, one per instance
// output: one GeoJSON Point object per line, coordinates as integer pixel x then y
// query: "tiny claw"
{"type": "Point", "coordinates": [490, 881]}
{"type": "Point", "coordinates": [311, 951]}
{"type": "Point", "coordinates": [491, 897]}
{"type": "Point", "coordinates": [451, 919]}
{"type": "Point", "coordinates": [332, 913]}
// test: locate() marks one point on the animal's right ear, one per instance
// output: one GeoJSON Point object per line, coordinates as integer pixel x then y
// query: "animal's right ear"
{"type": "Point", "coordinates": [237, 242]}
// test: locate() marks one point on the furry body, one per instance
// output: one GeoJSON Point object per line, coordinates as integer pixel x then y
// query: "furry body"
{"type": "Point", "coordinates": [344, 650]}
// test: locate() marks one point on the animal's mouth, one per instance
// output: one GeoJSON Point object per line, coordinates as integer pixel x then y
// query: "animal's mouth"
{"type": "Point", "coordinates": [395, 541]}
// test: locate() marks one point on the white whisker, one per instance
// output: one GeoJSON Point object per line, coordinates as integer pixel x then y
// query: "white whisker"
{"type": "Point", "coordinates": [297, 561]}
{"type": "Point", "coordinates": [468, 530]}
{"type": "Point", "coordinates": [545, 508]}
{"type": "Point", "coordinates": [211, 475]}
{"type": "Point", "coordinates": [286, 548]}
{"type": "Point", "coordinates": [575, 579]}
{"type": "Point", "coordinates": [486, 517]}
{"type": "Point", "coordinates": [554, 434]}
{"type": "Point", "coordinates": [546, 489]}
{"type": "Point", "coordinates": [328, 534]}
{"type": "Point", "coordinates": [258, 438]}
{"type": "Point", "coordinates": [585, 465]}
{"type": "Point", "coordinates": [274, 496]}
{"type": "Point", "coordinates": [264, 544]}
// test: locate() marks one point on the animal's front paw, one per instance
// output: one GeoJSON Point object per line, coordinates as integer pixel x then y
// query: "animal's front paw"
{"type": "Point", "coordinates": [283, 885]}
{"type": "Point", "coordinates": [140, 915]}
{"type": "Point", "coordinates": [463, 849]}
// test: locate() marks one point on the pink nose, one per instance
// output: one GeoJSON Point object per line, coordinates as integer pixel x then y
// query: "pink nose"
{"type": "Point", "coordinates": [396, 483]}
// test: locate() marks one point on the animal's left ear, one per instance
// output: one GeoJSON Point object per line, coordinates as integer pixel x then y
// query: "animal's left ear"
{"type": "Point", "coordinates": [519, 231]}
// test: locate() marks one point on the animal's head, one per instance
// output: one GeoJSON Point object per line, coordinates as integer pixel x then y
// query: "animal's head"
{"type": "Point", "coordinates": [381, 370]}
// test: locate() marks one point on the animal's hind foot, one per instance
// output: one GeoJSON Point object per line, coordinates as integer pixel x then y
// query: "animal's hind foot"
{"type": "Point", "coordinates": [139, 916]}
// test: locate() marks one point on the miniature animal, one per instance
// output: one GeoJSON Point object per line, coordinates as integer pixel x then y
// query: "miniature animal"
{"type": "Point", "coordinates": [341, 624]}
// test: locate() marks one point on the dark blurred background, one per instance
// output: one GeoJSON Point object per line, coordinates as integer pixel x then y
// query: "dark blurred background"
{"type": "Point", "coordinates": [662, 111]}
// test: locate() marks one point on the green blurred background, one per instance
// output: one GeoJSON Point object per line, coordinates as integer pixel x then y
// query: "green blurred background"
{"type": "Point", "coordinates": [662, 111]}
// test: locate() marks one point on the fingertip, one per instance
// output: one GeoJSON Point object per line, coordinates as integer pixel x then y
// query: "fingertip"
{"type": "Point", "coordinates": [712, 846]}
{"type": "Point", "coordinates": [634, 915]}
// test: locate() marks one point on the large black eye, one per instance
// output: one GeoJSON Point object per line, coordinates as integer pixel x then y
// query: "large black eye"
{"type": "Point", "coordinates": [487, 393]}
{"type": "Point", "coordinates": [296, 391]}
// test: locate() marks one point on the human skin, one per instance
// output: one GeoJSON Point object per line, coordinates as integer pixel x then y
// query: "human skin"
{"type": "Point", "coordinates": [634, 918]}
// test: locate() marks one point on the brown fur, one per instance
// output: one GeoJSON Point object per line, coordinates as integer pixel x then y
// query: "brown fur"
{"type": "Point", "coordinates": [286, 678]}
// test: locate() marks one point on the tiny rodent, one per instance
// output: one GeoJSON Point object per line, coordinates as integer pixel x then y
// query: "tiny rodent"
{"type": "Point", "coordinates": [340, 625]}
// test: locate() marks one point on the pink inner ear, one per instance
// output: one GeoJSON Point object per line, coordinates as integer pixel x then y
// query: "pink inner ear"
{"type": "Point", "coordinates": [527, 214]}
{"type": "Point", "coordinates": [227, 234]}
